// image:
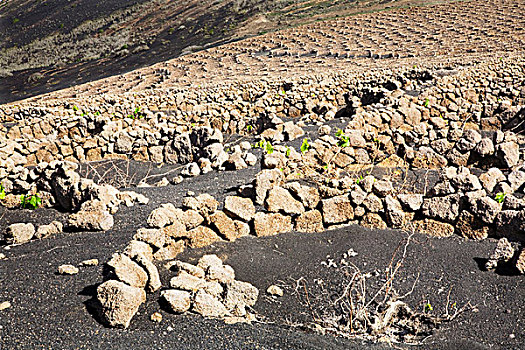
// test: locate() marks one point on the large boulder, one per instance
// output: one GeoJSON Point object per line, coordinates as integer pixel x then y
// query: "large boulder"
{"type": "Point", "coordinates": [178, 301]}
{"type": "Point", "coordinates": [239, 208]}
{"type": "Point", "coordinates": [337, 210]}
{"type": "Point", "coordinates": [19, 233]}
{"type": "Point", "coordinates": [281, 200]}
{"type": "Point", "coordinates": [119, 302]}
{"type": "Point", "coordinates": [265, 181]}
{"type": "Point", "coordinates": [91, 220]}
{"type": "Point", "coordinates": [128, 271]}
{"type": "Point", "coordinates": [271, 224]}
{"type": "Point", "coordinates": [442, 208]}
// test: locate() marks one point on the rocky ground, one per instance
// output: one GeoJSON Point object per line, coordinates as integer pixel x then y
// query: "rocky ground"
{"type": "Point", "coordinates": [377, 203]}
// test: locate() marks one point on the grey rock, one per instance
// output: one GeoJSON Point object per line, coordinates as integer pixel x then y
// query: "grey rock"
{"type": "Point", "coordinates": [485, 147]}
{"type": "Point", "coordinates": [508, 154]}
{"type": "Point", "coordinates": [411, 201]}
{"type": "Point", "coordinates": [163, 216]}
{"type": "Point", "coordinates": [491, 178]}
{"type": "Point", "coordinates": [188, 282]}
{"type": "Point", "coordinates": [45, 231]}
{"type": "Point", "coordinates": [503, 252]}
{"type": "Point", "coordinates": [309, 196]}
{"type": "Point", "coordinates": [154, 282]}
{"type": "Point", "coordinates": [191, 170]}
{"type": "Point", "coordinates": [383, 188]}
{"type": "Point", "coordinates": [442, 208]}
{"type": "Point", "coordinates": [487, 209]}
{"type": "Point", "coordinates": [373, 203]}
{"type": "Point", "coordinates": [67, 270]}
{"type": "Point", "coordinates": [238, 296]}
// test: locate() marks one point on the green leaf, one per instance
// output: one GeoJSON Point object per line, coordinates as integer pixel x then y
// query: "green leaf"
{"type": "Point", "coordinates": [428, 307]}
{"type": "Point", "coordinates": [269, 148]}
{"type": "Point", "coordinates": [305, 146]}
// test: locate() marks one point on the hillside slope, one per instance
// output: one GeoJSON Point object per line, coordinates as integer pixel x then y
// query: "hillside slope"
{"type": "Point", "coordinates": [50, 45]}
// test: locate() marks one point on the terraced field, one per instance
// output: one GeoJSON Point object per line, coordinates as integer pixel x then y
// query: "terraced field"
{"type": "Point", "coordinates": [354, 182]}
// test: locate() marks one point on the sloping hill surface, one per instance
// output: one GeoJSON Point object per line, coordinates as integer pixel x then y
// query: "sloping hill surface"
{"type": "Point", "coordinates": [49, 45]}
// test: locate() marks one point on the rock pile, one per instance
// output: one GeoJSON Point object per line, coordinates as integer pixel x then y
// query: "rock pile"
{"type": "Point", "coordinates": [208, 289]}
{"type": "Point", "coordinates": [59, 184]}
{"type": "Point", "coordinates": [23, 232]}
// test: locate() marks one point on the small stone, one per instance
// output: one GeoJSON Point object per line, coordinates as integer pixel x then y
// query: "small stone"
{"type": "Point", "coordinates": [266, 180]}
{"type": "Point", "coordinates": [170, 251]}
{"type": "Point", "coordinates": [67, 270]}
{"type": "Point", "coordinates": [310, 221]}
{"type": "Point", "coordinates": [503, 252]}
{"type": "Point", "coordinates": [178, 301]}
{"type": "Point", "coordinates": [154, 237]}
{"type": "Point", "coordinates": [191, 170]}
{"type": "Point", "coordinates": [204, 203]}
{"type": "Point", "coordinates": [383, 188]}
{"type": "Point", "coordinates": [275, 291]}
{"type": "Point", "coordinates": [487, 209]}
{"type": "Point", "coordinates": [189, 268]}
{"type": "Point", "coordinates": [44, 231]}
{"type": "Point", "coordinates": [162, 216]}
{"type": "Point", "coordinates": [374, 221]}
{"type": "Point", "coordinates": [442, 208]}
{"type": "Point", "coordinates": [491, 178]}
{"type": "Point", "coordinates": [202, 236]}
{"type": "Point", "coordinates": [508, 154]}
{"type": "Point", "coordinates": [5, 305]}
{"type": "Point", "coordinates": [250, 159]}
{"type": "Point", "coordinates": [89, 262]}
{"type": "Point", "coordinates": [520, 263]}
{"type": "Point", "coordinates": [225, 226]}
{"type": "Point", "coordinates": [135, 247]}
{"type": "Point", "coordinates": [469, 227]}
{"type": "Point", "coordinates": [156, 317]}
{"type": "Point", "coordinates": [433, 228]}
{"type": "Point", "coordinates": [223, 274]}
{"type": "Point", "coordinates": [213, 288]}
{"type": "Point", "coordinates": [153, 283]}
{"type": "Point", "coordinates": [309, 196]}
{"type": "Point", "coordinates": [238, 296]}
{"type": "Point", "coordinates": [411, 201]}
{"type": "Point", "coordinates": [395, 215]}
